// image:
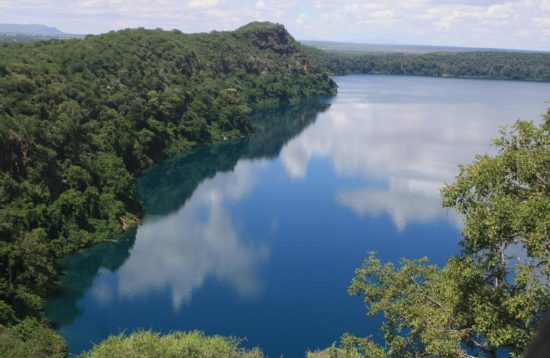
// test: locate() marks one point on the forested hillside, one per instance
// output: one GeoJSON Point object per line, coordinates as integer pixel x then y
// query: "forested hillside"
{"type": "Point", "coordinates": [487, 65]}
{"type": "Point", "coordinates": [81, 119]}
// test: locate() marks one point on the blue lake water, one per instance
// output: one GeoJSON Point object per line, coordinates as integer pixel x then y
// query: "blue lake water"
{"type": "Point", "coordinates": [259, 237]}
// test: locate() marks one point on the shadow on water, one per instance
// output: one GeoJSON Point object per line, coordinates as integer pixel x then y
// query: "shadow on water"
{"type": "Point", "coordinates": [167, 186]}
{"type": "Point", "coordinates": [80, 270]}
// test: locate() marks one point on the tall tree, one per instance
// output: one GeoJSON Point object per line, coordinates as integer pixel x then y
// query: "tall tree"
{"type": "Point", "coordinates": [490, 299]}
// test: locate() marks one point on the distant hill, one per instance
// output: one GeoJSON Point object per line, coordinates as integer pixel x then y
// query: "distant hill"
{"type": "Point", "coordinates": [358, 48]}
{"type": "Point", "coordinates": [32, 33]}
{"type": "Point", "coordinates": [29, 29]}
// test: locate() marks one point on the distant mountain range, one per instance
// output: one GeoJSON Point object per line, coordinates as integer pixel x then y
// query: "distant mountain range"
{"type": "Point", "coordinates": [31, 33]}
{"type": "Point", "coordinates": [29, 29]}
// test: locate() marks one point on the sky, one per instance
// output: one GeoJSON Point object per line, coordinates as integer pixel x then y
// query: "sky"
{"type": "Point", "coordinates": [519, 24]}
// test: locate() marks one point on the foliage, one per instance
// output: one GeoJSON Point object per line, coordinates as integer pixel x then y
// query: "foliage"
{"type": "Point", "coordinates": [491, 298]}
{"type": "Point", "coordinates": [81, 119]}
{"type": "Point", "coordinates": [29, 338]}
{"type": "Point", "coordinates": [334, 352]}
{"type": "Point", "coordinates": [146, 344]}
{"type": "Point", "coordinates": [479, 64]}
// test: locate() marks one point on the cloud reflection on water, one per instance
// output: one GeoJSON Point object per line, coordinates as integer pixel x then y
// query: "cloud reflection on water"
{"type": "Point", "coordinates": [411, 147]}
{"type": "Point", "coordinates": [180, 251]}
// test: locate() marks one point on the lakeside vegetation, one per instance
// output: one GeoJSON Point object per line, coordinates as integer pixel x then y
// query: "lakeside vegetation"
{"type": "Point", "coordinates": [81, 119]}
{"type": "Point", "coordinates": [479, 64]}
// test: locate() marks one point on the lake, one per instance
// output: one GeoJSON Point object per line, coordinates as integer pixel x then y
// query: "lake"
{"type": "Point", "coordinates": [259, 237]}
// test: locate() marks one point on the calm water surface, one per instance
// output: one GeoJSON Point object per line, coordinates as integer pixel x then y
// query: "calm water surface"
{"type": "Point", "coordinates": [259, 237]}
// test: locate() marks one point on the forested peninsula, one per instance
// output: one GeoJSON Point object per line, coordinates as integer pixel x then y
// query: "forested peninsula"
{"type": "Point", "coordinates": [81, 119]}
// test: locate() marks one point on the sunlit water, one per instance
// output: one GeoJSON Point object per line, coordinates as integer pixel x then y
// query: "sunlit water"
{"type": "Point", "coordinates": [259, 237]}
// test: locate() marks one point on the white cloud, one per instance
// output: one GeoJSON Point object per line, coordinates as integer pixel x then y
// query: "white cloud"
{"type": "Point", "coordinates": [543, 21]}
{"type": "Point", "coordinates": [384, 14]}
{"type": "Point", "coordinates": [489, 23]}
{"type": "Point", "coordinates": [203, 4]}
{"type": "Point", "coordinates": [302, 20]}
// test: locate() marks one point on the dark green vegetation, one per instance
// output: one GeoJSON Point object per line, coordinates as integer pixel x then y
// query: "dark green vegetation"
{"type": "Point", "coordinates": [152, 345]}
{"type": "Point", "coordinates": [493, 296]}
{"type": "Point", "coordinates": [479, 64]}
{"type": "Point", "coordinates": [81, 119]}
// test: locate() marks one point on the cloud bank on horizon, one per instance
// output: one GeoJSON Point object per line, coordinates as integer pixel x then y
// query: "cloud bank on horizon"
{"type": "Point", "coordinates": [521, 24]}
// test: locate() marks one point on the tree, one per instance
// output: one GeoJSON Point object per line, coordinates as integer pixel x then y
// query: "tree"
{"type": "Point", "coordinates": [492, 297]}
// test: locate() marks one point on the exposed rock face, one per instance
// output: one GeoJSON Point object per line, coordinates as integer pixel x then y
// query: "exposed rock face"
{"type": "Point", "coordinates": [270, 36]}
{"type": "Point", "coordinates": [274, 37]}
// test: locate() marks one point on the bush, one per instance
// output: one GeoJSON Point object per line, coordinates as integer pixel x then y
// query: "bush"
{"type": "Point", "coordinates": [144, 344]}
{"type": "Point", "coordinates": [29, 338]}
